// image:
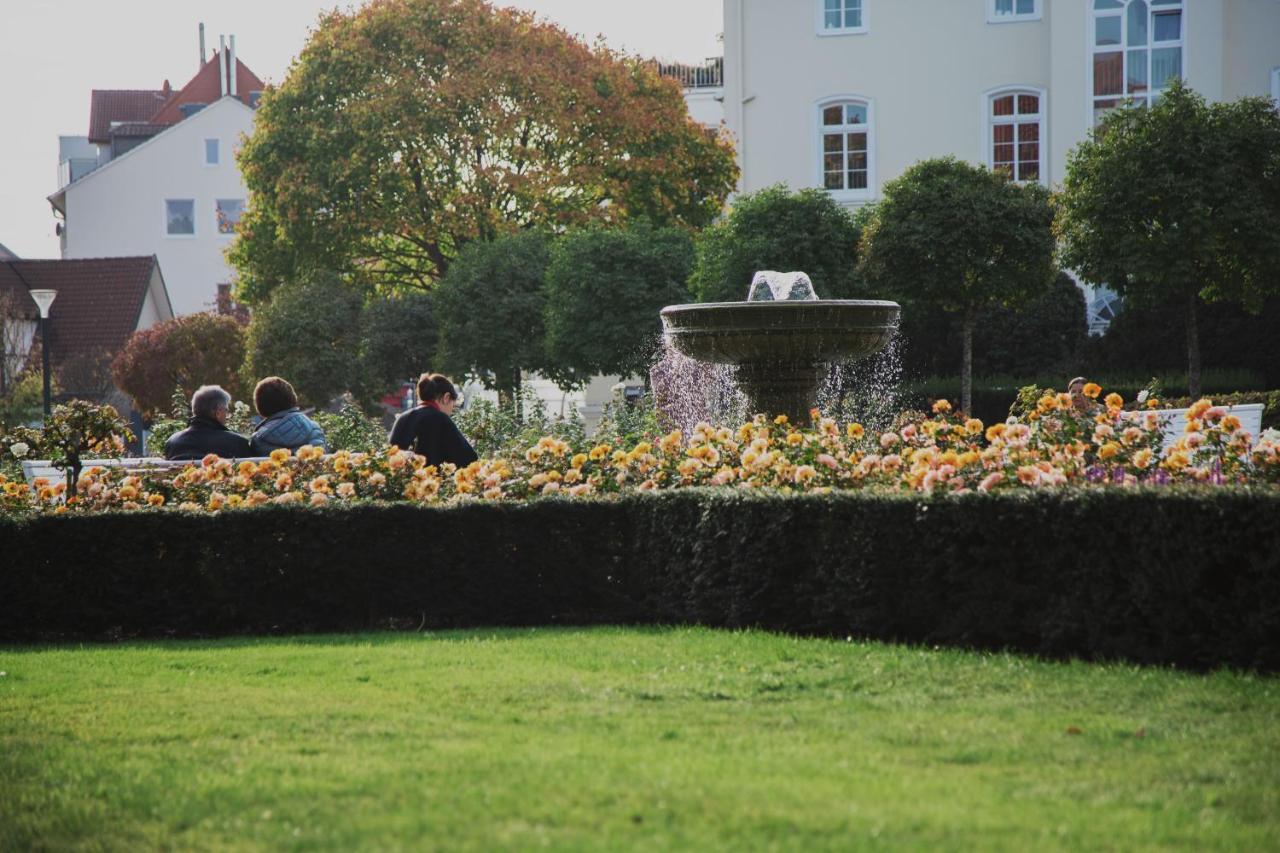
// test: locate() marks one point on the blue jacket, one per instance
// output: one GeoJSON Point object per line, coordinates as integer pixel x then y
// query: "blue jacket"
{"type": "Point", "coordinates": [289, 429]}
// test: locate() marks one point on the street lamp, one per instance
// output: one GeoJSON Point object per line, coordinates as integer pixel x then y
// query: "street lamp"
{"type": "Point", "coordinates": [44, 299]}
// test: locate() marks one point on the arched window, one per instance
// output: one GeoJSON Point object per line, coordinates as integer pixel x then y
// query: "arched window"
{"type": "Point", "coordinates": [846, 147]}
{"type": "Point", "coordinates": [1136, 47]}
{"type": "Point", "coordinates": [1015, 124]}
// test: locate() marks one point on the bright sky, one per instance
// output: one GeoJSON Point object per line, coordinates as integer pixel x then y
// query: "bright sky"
{"type": "Point", "coordinates": [53, 52]}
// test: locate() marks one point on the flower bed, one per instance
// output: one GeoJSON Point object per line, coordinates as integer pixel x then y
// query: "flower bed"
{"type": "Point", "coordinates": [1055, 443]}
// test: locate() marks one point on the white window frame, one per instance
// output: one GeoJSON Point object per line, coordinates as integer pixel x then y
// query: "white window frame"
{"type": "Point", "coordinates": [1091, 49]}
{"type": "Point", "coordinates": [820, 18]}
{"type": "Point", "coordinates": [217, 150]}
{"type": "Point", "coordinates": [217, 206]}
{"type": "Point", "coordinates": [1016, 18]}
{"type": "Point", "coordinates": [988, 122]}
{"type": "Point", "coordinates": [195, 220]}
{"type": "Point", "coordinates": [845, 195]}
{"type": "Point", "coordinates": [1275, 84]}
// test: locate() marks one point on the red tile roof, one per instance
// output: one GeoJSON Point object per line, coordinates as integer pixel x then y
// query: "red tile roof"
{"type": "Point", "coordinates": [204, 88]}
{"type": "Point", "coordinates": [120, 105]}
{"type": "Point", "coordinates": [98, 303]}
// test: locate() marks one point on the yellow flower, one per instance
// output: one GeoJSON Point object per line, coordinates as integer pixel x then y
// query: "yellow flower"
{"type": "Point", "coordinates": [599, 452]}
{"type": "Point", "coordinates": [688, 467]}
{"type": "Point", "coordinates": [1108, 450]}
{"type": "Point", "coordinates": [668, 443]}
{"type": "Point", "coordinates": [154, 499]}
{"type": "Point", "coordinates": [780, 420]}
{"type": "Point", "coordinates": [973, 426]}
{"type": "Point", "coordinates": [216, 500]}
{"type": "Point", "coordinates": [578, 460]}
{"type": "Point", "coordinates": [1231, 423]}
{"type": "Point", "coordinates": [1198, 408]}
{"type": "Point", "coordinates": [284, 481]}
{"type": "Point", "coordinates": [1142, 458]}
{"type": "Point", "coordinates": [795, 438]}
{"type": "Point", "coordinates": [1047, 403]}
{"type": "Point", "coordinates": [804, 473]}
{"type": "Point", "coordinates": [128, 493]}
{"type": "Point", "coordinates": [995, 431]}
{"type": "Point", "coordinates": [280, 455]}
{"type": "Point", "coordinates": [533, 454]}
{"type": "Point", "coordinates": [854, 431]}
{"type": "Point", "coordinates": [319, 499]}
{"type": "Point", "coordinates": [1114, 400]}
{"type": "Point", "coordinates": [941, 407]}
{"type": "Point", "coordinates": [1092, 390]}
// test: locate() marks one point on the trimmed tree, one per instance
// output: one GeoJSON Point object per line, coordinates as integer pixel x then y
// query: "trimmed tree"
{"type": "Point", "coordinates": [186, 352]}
{"type": "Point", "coordinates": [399, 337]}
{"type": "Point", "coordinates": [490, 306]}
{"type": "Point", "coordinates": [409, 128]}
{"type": "Point", "coordinates": [775, 229]}
{"type": "Point", "coordinates": [605, 288]}
{"type": "Point", "coordinates": [1178, 203]}
{"type": "Point", "coordinates": [963, 238]}
{"type": "Point", "coordinates": [309, 333]}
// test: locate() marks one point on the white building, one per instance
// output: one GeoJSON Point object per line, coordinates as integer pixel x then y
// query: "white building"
{"type": "Point", "coordinates": [157, 176]}
{"type": "Point", "coordinates": [847, 94]}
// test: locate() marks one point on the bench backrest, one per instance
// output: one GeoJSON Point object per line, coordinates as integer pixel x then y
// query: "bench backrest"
{"type": "Point", "coordinates": [1173, 422]}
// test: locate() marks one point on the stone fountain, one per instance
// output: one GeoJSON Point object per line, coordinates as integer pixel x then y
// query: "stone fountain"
{"type": "Point", "coordinates": [781, 339]}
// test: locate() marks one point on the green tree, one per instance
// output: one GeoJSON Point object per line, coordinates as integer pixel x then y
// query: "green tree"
{"type": "Point", "coordinates": [1178, 203]}
{"type": "Point", "coordinates": [605, 287]}
{"type": "Point", "coordinates": [490, 305]}
{"type": "Point", "coordinates": [963, 238]}
{"type": "Point", "coordinates": [309, 333]}
{"type": "Point", "coordinates": [399, 337]}
{"type": "Point", "coordinates": [185, 353]}
{"type": "Point", "coordinates": [775, 229]}
{"type": "Point", "coordinates": [409, 128]}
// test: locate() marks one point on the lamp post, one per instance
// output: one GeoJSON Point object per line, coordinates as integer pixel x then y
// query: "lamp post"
{"type": "Point", "coordinates": [44, 299]}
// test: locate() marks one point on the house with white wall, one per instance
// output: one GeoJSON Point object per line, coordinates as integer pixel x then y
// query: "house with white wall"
{"type": "Point", "coordinates": [157, 176]}
{"type": "Point", "coordinates": [846, 94]}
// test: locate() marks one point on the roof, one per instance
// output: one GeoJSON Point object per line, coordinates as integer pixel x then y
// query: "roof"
{"type": "Point", "coordinates": [205, 88]}
{"type": "Point", "coordinates": [99, 300]}
{"type": "Point", "coordinates": [7, 254]}
{"type": "Point", "coordinates": [120, 105]}
{"type": "Point", "coordinates": [136, 129]}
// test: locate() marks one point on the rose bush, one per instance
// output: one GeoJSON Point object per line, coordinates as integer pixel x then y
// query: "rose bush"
{"type": "Point", "coordinates": [1057, 442]}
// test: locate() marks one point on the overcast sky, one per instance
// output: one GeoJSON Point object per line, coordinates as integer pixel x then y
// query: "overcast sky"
{"type": "Point", "coordinates": [53, 52]}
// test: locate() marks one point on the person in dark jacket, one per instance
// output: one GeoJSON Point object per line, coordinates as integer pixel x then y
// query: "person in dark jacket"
{"type": "Point", "coordinates": [284, 424]}
{"type": "Point", "coordinates": [207, 431]}
{"type": "Point", "coordinates": [429, 429]}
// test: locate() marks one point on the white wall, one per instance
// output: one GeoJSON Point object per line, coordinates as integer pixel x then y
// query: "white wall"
{"type": "Point", "coordinates": [120, 208]}
{"type": "Point", "coordinates": [706, 106]}
{"type": "Point", "coordinates": [924, 66]}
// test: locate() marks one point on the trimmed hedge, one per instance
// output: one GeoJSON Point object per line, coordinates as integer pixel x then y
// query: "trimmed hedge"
{"type": "Point", "coordinates": [1187, 578]}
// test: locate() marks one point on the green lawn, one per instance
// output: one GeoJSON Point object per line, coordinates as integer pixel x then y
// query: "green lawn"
{"type": "Point", "coordinates": [611, 738]}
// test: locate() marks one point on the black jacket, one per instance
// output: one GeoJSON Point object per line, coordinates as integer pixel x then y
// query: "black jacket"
{"type": "Point", "coordinates": [205, 435]}
{"type": "Point", "coordinates": [433, 434]}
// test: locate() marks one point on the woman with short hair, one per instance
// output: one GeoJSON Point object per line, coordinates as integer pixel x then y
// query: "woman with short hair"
{"type": "Point", "coordinates": [428, 429]}
{"type": "Point", "coordinates": [284, 424]}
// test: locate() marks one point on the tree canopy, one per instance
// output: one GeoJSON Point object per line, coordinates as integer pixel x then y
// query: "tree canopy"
{"type": "Point", "coordinates": [605, 288]}
{"type": "Point", "coordinates": [490, 306]}
{"type": "Point", "coordinates": [186, 352]}
{"type": "Point", "coordinates": [775, 229]}
{"type": "Point", "coordinates": [409, 128]}
{"type": "Point", "coordinates": [1178, 203]}
{"type": "Point", "coordinates": [960, 237]}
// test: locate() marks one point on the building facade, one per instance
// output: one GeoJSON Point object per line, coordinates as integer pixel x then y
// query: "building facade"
{"type": "Point", "coordinates": [157, 175]}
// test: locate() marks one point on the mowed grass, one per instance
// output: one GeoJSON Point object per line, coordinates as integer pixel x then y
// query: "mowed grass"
{"type": "Point", "coordinates": [623, 738]}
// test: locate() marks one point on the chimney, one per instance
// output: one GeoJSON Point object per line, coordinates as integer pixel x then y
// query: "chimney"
{"type": "Point", "coordinates": [222, 64]}
{"type": "Point", "coordinates": [231, 61]}
{"type": "Point", "coordinates": [201, 65]}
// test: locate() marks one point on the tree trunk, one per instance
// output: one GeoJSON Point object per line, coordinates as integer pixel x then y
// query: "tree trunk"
{"type": "Point", "coordinates": [1193, 349]}
{"type": "Point", "coordinates": [966, 363]}
{"type": "Point", "coordinates": [515, 398]}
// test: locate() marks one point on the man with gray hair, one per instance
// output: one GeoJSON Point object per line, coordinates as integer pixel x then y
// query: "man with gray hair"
{"type": "Point", "coordinates": [207, 431]}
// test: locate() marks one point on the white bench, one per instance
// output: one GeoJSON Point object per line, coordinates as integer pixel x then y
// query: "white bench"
{"type": "Point", "coordinates": [1173, 422]}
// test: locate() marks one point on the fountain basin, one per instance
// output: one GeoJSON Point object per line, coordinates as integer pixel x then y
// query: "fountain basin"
{"type": "Point", "coordinates": [780, 348]}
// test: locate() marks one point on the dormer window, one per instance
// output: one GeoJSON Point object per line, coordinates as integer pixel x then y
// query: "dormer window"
{"type": "Point", "coordinates": [841, 17]}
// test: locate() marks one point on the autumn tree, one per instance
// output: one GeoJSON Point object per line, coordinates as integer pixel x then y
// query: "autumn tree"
{"type": "Point", "coordinates": [1178, 203]}
{"type": "Point", "coordinates": [490, 306]}
{"type": "Point", "coordinates": [775, 229]}
{"type": "Point", "coordinates": [409, 128]}
{"type": "Point", "coordinates": [186, 352]}
{"type": "Point", "coordinates": [605, 287]}
{"type": "Point", "coordinates": [962, 238]}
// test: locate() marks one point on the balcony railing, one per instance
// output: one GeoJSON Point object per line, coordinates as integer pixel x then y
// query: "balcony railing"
{"type": "Point", "coordinates": [708, 76]}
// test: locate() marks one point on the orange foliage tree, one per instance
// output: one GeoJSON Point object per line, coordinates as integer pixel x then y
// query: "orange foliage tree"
{"type": "Point", "coordinates": [186, 352]}
{"type": "Point", "coordinates": [409, 128]}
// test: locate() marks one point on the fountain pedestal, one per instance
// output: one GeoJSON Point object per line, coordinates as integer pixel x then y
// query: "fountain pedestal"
{"type": "Point", "coordinates": [781, 388]}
